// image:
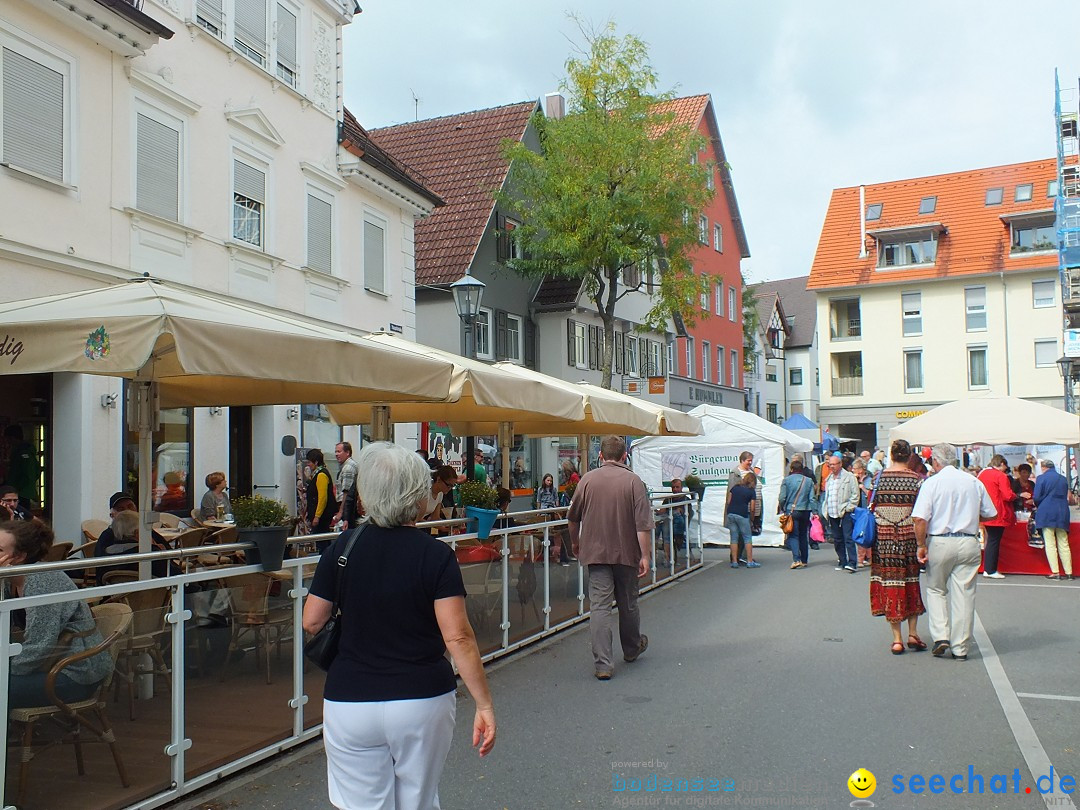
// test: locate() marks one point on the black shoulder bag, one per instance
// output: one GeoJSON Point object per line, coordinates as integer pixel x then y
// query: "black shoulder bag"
{"type": "Point", "coordinates": [322, 648]}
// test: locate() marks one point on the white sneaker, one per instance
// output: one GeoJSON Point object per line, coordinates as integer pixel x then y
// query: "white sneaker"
{"type": "Point", "coordinates": [994, 575]}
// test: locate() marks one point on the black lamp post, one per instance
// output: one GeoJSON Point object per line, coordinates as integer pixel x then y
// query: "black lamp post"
{"type": "Point", "coordinates": [468, 293]}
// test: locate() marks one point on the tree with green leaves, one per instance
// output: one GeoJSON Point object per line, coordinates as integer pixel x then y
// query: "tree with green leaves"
{"type": "Point", "coordinates": [615, 189]}
{"type": "Point", "coordinates": [751, 323]}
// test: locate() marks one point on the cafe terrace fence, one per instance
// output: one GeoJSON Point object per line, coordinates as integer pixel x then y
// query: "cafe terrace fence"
{"type": "Point", "coordinates": [223, 701]}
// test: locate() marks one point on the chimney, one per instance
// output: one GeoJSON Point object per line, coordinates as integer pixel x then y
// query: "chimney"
{"type": "Point", "coordinates": [554, 105]}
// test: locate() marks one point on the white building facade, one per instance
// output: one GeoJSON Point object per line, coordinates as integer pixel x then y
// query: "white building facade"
{"type": "Point", "coordinates": [196, 141]}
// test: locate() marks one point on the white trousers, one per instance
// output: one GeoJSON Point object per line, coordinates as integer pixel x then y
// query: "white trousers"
{"type": "Point", "coordinates": [388, 755]}
{"type": "Point", "coordinates": [951, 568]}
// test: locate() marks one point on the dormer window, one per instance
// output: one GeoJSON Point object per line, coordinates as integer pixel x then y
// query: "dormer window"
{"type": "Point", "coordinates": [873, 212]}
{"type": "Point", "coordinates": [1031, 231]}
{"type": "Point", "coordinates": [907, 246]}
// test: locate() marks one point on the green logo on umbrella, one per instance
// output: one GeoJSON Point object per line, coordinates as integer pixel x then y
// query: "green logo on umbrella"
{"type": "Point", "coordinates": [97, 344]}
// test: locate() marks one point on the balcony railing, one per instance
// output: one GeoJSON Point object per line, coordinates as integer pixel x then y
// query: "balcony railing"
{"type": "Point", "coordinates": [846, 386]}
{"type": "Point", "coordinates": [844, 329]}
{"type": "Point", "coordinates": [198, 692]}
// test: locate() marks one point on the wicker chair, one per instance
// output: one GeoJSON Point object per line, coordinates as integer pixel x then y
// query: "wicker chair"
{"type": "Point", "coordinates": [88, 576]}
{"type": "Point", "coordinates": [148, 626]}
{"type": "Point", "coordinates": [249, 596]}
{"type": "Point", "coordinates": [92, 529]}
{"type": "Point", "coordinates": [113, 621]}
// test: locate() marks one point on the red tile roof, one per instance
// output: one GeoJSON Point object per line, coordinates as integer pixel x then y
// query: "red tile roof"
{"type": "Point", "coordinates": [977, 239]}
{"type": "Point", "coordinates": [460, 158]}
{"type": "Point", "coordinates": [357, 140]}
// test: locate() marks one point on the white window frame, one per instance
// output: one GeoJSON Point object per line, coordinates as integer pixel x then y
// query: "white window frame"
{"type": "Point", "coordinates": [719, 298]}
{"type": "Point", "coordinates": [908, 387]}
{"type": "Point", "coordinates": [670, 359]}
{"type": "Point", "coordinates": [177, 123]}
{"type": "Point", "coordinates": [718, 237]}
{"type": "Point", "coordinates": [706, 360]}
{"type": "Point", "coordinates": [734, 354]}
{"type": "Point", "coordinates": [631, 365]}
{"type": "Point", "coordinates": [581, 345]}
{"type": "Point", "coordinates": [974, 310]}
{"type": "Point", "coordinates": [375, 219]}
{"type": "Point", "coordinates": [275, 27]}
{"type": "Point", "coordinates": [703, 229]}
{"type": "Point", "coordinates": [1048, 361]}
{"type": "Point", "coordinates": [710, 178]}
{"type": "Point", "coordinates": [262, 165]}
{"type": "Point", "coordinates": [731, 302]}
{"type": "Point", "coordinates": [689, 349]}
{"type": "Point", "coordinates": [485, 325]}
{"type": "Point", "coordinates": [901, 244]}
{"type": "Point", "coordinates": [1015, 229]}
{"type": "Point", "coordinates": [225, 30]}
{"type": "Point", "coordinates": [514, 326]}
{"type": "Point", "coordinates": [721, 363]}
{"type": "Point", "coordinates": [911, 316]}
{"type": "Point", "coordinates": [58, 61]}
{"type": "Point", "coordinates": [1041, 302]}
{"type": "Point", "coordinates": [327, 197]}
{"type": "Point", "coordinates": [986, 363]}
{"type": "Point", "coordinates": [705, 295]}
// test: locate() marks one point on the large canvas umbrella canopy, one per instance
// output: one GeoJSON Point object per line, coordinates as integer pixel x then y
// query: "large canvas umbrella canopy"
{"type": "Point", "coordinates": [203, 350]}
{"type": "Point", "coordinates": [605, 412]}
{"type": "Point", "coordinates": [478, 392]}
{"type": "Point", "coordinates": [991, 420]}
{"type": "Point", "coordinates": [186, 348]}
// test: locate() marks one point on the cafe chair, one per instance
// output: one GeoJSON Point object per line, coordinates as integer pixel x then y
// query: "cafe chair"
{"type": "Point", "coordinates": [169, 520]}
{"type": "Point", "coordinates": [92, 529]}
{"type": "Point", "coordinates": [87, 576]}
{"type": "Point", "coordinates": [252, 616]}
{"type": "Point", "coordinates": [483, 584]}
{"type": "Point", "coordinates": [148, 627]}
{"type": "Point", "coordinates": [57, 552]}
{"type": "Point", "coordinates": [196, 517]}
{"type": "Point", "coordinates": [220, 537]}
{"type": "Point", "coordinates": [84, 720]}
{"type": "Point", "coordinates": [192, 538]}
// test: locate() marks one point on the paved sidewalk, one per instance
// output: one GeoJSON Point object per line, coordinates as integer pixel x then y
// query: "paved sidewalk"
{"type": "Point", "coordinates": [777, 684]}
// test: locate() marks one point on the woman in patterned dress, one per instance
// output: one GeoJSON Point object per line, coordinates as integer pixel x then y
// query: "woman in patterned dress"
{"type": "Point", "coordinates": [894, 569]}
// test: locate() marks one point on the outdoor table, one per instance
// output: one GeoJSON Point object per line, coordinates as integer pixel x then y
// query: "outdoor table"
{"type": "Point", "coordinates": [1017, 557]}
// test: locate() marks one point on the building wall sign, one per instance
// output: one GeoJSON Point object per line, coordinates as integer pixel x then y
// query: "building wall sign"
{"type": "Point", "coordinates": [909, 414]}
{"type": "Point", "coordinates": [712, 396]}
{"type": "Point", "coordinates": [656, 385]}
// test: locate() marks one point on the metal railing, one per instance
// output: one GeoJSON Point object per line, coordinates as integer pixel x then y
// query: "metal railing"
{"type": "Point", "coordinates": [190, 754]}
{"type": "Point", "coordinates": [846, 386]}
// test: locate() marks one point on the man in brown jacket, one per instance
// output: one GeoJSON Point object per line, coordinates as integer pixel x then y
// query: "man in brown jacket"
{"type": "Point", "coordinates": [611, 512]}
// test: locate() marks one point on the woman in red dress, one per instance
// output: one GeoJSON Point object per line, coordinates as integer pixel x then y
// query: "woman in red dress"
{"type": "Point", "coordinates": [894, 569]}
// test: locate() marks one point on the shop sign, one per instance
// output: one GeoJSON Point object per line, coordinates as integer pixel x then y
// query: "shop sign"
{"type": "Point", "coordinates": [1072, 342]}
{"type": "Point", "coordinates": [634, 388]}
{"type": "Point", "coordinates": [657, 385]}
{"type": "Point", "coordinates": [909, 414]}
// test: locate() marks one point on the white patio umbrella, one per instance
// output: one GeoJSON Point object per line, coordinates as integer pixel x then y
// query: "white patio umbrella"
{"type": "Point", "coordinates": [991, 420]}
{"type": "Point", "coordinates": [187, 348]}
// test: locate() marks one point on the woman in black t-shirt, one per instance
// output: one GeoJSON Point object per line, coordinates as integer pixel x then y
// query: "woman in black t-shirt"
{"type": "Point", "coordinates": [742, 499]}
{"type": "Point", "coordinates": [389, 699]}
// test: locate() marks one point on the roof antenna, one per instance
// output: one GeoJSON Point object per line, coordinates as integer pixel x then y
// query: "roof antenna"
{"type": "Point", "coordinates": [416, 104]}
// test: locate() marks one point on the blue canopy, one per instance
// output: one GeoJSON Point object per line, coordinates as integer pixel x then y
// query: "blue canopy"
{"type": "Point", "coordinates": [798, 421]}
{"type": "Point", "coordinates": [829, 443]}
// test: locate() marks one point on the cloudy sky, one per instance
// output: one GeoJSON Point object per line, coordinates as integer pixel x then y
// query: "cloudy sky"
{"type": "Point", "coordinates": [809, 96]}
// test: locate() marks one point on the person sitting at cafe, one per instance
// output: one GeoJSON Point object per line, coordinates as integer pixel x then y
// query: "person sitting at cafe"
{"type": "Point", "coordinates": [22, 543]}
{"type": "Point", "coordinates": [442, 481]}
{"type": "Point", "coordinates": [216, 500]}
{"type": "Point", "coordinates": [9, 499]}
{"type": "Point", "coordinates": [123, 538]}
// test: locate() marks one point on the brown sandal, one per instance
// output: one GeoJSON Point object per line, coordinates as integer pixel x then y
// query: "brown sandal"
{"type": "Point", "coordinates": [897, 648]}
{"type": "Point", "coordinates": [916, 643]}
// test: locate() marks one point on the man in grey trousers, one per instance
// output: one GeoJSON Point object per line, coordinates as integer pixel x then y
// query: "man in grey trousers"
{"type": "Point", "coordinates": [611, 514]}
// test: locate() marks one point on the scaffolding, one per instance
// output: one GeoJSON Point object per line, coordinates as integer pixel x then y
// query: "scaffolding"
{"type": "Point", "coordinates": [1067, 221]}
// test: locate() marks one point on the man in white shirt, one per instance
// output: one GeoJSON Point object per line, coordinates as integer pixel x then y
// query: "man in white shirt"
{"type": "Point", "coordinates": [873, 462]}
{"type": "Point", "coordinates": [946, 517]}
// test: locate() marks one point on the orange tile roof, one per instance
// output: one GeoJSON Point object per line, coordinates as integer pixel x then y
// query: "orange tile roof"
{"type": "Point", "coordinates": [459, 157]}
{"type": "Point", "coordinates": [977, 239]}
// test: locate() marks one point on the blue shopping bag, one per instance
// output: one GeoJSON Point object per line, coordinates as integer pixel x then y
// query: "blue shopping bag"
{"type": "Point", "coordinates": [863, 527]}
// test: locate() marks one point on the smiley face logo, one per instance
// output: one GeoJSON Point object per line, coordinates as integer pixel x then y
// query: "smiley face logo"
{"type": "Point", "coordinates": [862, 784]}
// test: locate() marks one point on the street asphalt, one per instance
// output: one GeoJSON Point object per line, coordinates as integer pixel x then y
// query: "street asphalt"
{"type": "Point", "coordinates": [763, 688]}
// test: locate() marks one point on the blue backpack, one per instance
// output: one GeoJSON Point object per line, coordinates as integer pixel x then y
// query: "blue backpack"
{"type": "Point", "coordinates": [863, 525]}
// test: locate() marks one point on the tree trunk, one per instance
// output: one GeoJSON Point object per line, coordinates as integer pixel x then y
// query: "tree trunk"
{"type": "Point", "coordinates": [606, 311]}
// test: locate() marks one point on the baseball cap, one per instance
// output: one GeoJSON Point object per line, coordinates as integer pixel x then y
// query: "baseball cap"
{"type": "Point", "coordinates": [118, 497]}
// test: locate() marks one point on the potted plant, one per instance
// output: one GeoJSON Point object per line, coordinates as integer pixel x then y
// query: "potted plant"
{"type": "Point", "coordinates": [480, 502]}
{"type": "Point", "coordinates": [266, 523]}
{"type": "Point", "coordinates": [695, 485]}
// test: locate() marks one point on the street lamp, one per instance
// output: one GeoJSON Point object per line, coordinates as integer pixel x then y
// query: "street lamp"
{"type": "Point", "coordinates": [1070, 369]}
{"type": "Point", "coordinates": [468, 293]}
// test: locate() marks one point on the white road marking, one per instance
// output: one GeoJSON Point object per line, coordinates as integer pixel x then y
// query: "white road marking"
{"type": "Point", "coordinates": [1048, 697]}
{"type": "Point", "coordinates": [1027, 740]}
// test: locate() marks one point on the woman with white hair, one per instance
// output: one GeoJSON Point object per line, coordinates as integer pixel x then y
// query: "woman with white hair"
{"type": "Point", "coordinates": [389, 699]}
{"type": "Point", "coordinates": [1052, 517]}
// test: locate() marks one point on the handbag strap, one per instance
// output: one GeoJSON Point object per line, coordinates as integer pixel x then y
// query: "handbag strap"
{"type": "Point", "coordinates": [342, 561]}
{"type": "Point", "coordinates": [797, 494]}
{"type": "Point", "coordinates": [873, 491]}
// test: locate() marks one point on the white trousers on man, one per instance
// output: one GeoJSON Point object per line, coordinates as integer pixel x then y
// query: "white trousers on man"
{"type": "Point", "coordinates": [387, 755]}
{"type": "Point", "coordinates": [951, 570]}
